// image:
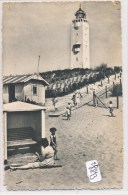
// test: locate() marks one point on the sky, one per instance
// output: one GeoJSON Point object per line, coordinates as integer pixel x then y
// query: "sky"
{"type": "Point", "coordinates": [33, 29]}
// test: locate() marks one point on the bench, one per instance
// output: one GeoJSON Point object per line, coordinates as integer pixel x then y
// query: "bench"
{"type": "Point", "coordinates": [20, 133]}
{"type": "Point", "coordinates": [20, 139]}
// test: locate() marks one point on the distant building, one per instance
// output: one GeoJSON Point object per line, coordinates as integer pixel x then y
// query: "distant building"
{"type": "Point", "coordinates": [24, 88]}
{"type": "Point", "coordinates": [80, 52]}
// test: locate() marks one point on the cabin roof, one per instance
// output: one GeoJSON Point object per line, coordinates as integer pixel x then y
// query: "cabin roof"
{"type": "Point", "coordinates": [21, 106]}
{"type": "Point", "coordinates": [23, 79]}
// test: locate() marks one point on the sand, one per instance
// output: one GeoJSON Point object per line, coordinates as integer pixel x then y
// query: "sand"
{"type": "Point", "coordinates": [91, 134]}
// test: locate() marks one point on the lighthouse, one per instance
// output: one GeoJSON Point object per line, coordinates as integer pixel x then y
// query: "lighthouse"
{"type": "Point", "coordinates": [80, 51]}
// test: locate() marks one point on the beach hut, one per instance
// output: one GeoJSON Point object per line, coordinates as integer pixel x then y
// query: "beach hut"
{"type": "Point", "coordinates": [24, 88]}
{"type": "Point", "coordinates": [22, 123]}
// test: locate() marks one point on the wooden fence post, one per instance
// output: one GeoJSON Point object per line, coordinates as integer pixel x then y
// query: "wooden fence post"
{"type": "Point", "coordinates": [93, 98]}
{"type": "Point", "coordinates": [108, 80]}
{"type": "Point", "coordinates": [113, 85]}
{"type": "Point", "coordinates": [115, 76]}
{"type": "Point", "coordinates": [106, 90]}
{"type": "Point", "coordinates": [101, 83]}
{"type": "Point", "coordinates": [120, 82]}
{"type": "Point", "coordinates": [120, 73]}
{"type": "Point", "coordinates": [87, 89]}
{"type": "Point", "coordinates": [117, 102]}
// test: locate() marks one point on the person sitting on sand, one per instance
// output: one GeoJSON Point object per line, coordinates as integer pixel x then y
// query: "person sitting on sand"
{"type": "Point", "coordinates": [111, 108]}
{"type": "Point", "coordinates": [45, 159]}
{"type": "Point", "coordinates": [53, 142]}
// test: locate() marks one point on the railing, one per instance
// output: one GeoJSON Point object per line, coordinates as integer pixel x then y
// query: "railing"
{"type": "Point", "coordinates": [102, 88]}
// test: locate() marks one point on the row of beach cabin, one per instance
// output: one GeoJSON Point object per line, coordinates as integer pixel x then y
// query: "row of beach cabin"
{"type": "Point", "coordinates": [23, 122]}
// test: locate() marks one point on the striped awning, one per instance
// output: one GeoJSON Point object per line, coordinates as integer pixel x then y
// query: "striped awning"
{"type": "Point", "coordinates": [22, 79]}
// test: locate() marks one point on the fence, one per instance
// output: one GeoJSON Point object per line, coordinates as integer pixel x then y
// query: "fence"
{"type": "Point", "coordinates": [112, 91]}
{"type": "Point", "coordinates": [103, 89]}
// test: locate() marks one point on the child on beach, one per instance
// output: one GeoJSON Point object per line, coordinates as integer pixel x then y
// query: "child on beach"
{"type": "Point", "coordinates": [69, 106]}
{"type": "Point", "coordinates": [111, 108]}
{"type": "Point", "coordinates": [68, 113]}
{"type": "Point", "coordinates": [54, 101]}
{"type": "Point", "coordinates": [95, 100]}
{"type": "Point", "coordinates": [73, 99]}
{"type": "Point", "coordinates": [77, 97]}
{"type": "Point", "coordinates": [53, 142]}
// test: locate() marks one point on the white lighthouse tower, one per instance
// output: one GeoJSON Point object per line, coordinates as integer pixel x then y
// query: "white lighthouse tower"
{"type": "Point", "coordinates": [80, 54]}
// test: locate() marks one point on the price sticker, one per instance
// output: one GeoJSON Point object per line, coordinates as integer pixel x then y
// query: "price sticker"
{"type": "Point", "coordinates": [93, 171]}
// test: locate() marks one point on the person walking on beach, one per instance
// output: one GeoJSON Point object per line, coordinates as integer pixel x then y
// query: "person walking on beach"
{"type": "Point", "coordinates": [54, 101]}
{"type": "Point", "coordinates": [95, 100]}
{"type": "Point", "coordinates": [45, 159]}
{"type": "Point", "coordinates": [69, 106]}
{"type": "Point", "coordinates": [53, 142]}
{"type": "Point", "coordinates": [73, 99]}
{"type": "Point", "coordinates": [68, 113]}
{"type": "Point", "coordinates": [111, 108]}
{"type": "Point", "coordinates": [77, 98]}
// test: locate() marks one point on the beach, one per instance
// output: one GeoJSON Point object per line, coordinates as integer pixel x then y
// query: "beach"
{"type": "Point", "coordinates": [91, 134]}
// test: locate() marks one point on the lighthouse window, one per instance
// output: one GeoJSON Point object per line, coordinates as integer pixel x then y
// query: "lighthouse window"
{"type": "Point", "coordinates": [77, 59]}
{"type": "Point", "coordinates": [34, 90]}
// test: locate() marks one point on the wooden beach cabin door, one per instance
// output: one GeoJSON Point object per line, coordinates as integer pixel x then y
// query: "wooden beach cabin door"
{"type": "Point", "coordinates": [11, 89]}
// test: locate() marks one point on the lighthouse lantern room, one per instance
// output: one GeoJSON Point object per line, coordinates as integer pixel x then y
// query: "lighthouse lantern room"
{"type": "Point", "coordinates": [80, 55]}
